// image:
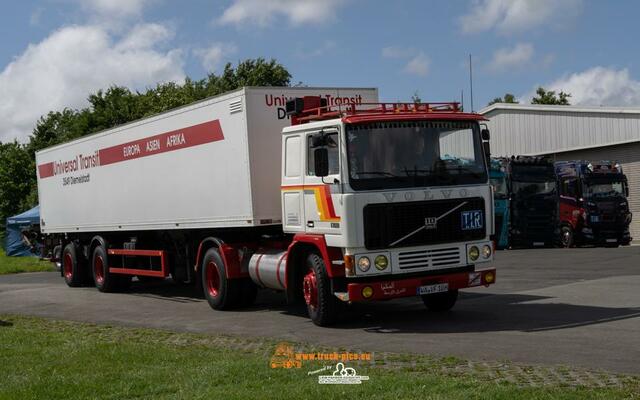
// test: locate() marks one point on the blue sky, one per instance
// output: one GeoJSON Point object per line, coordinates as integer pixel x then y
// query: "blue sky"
{"type": "Point", "coordinates": [55, 52]}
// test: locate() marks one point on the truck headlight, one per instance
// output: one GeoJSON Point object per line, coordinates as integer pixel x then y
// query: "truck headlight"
{"type": "Point", "coordinates": [364, 264]}
{"type": "Point", "coordinates": [486, 251]}
{"type": "Point", "coordinates": [474, 253]}
{"type": "Point", "coordinates": [381, 262]}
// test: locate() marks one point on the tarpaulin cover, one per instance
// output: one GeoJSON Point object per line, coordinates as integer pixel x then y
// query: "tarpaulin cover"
{"type": "Point", "coordinates": [15, 244]}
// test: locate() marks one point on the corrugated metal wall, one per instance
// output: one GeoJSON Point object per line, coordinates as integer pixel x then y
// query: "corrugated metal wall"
{"type": "Point", "coordinates": [516, 131]}
{"type": "Point", "coordinates": [628, 155]}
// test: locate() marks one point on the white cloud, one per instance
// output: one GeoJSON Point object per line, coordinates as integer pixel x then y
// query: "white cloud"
{"type": "Point", "coordinates": [511, 58]}
{"type": "Point", "coordinates": [418, 65]}
{"type": "Point", "coordinates": [114, 8]}
{"type": "Point", "coordinates": [508, 16]}
{"type": "Point", "coordinates": [74, 61]}
{"type": "Point", "coordinates": [316, 51]}
{"type": "Point", "coordinates": [598, 86]}
{"type": "Point", "coordinates": [212, 56]}
{"type": "Point", "coordinates": [264, 12]}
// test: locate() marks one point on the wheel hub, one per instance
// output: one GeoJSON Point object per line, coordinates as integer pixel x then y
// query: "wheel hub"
{"type": "Point", "coordinates": [98, 269]}
{"type": "Point", "coordinates": [68, 267]}
{"type": "Point", "coordinates": [310, 288]}
{"type": "Point", "coordinates": [213, 279]}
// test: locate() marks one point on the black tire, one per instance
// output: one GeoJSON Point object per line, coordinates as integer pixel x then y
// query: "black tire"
{"type": "Point", "coordinates": [73, 270]}
{"type": "Point", "coordinates": [440, 302]}
{"type": "Point", "coordinates": [221, 293]}
{"type": "Point", "coordinates": [567, 237]}
{"type": "Point", "coordinates": [322, 306]}
{"type": "Point", "coordinates": [104, 280]}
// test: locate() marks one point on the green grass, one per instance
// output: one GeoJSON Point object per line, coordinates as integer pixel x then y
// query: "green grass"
{"type": "Point", "coordinates": [67, 360]}
{"type": "Point", "coordinates": [12, 265]}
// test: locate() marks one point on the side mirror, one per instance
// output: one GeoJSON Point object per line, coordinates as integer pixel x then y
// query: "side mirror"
{"type": "Point", "coordinates": [487, 151]}
{"type": "Point", "coordinates": [319, 140]}
{"type": "Point", "coordinates": [321, 161]}
{"type": "Point", "coordinates": [484, 133]}
{"type": "Point", "coordinates": [625, 189]}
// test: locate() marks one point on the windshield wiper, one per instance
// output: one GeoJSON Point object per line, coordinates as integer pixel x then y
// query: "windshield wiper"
{"type": "Point", "coordinates": [384, 173]}
{"type": "Point", "coordinates": [467, 170]}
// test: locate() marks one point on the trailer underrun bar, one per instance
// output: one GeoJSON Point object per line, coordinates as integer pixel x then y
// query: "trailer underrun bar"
{"type": "Point", "coordinates": [152, 271]}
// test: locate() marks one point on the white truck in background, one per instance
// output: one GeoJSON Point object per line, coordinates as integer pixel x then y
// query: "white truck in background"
{"type": "Point", "coordinates": [321, 193]}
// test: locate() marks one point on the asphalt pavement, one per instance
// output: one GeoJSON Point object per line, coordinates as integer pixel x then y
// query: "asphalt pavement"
{"type": "Point", "coordinates": [576, 307]}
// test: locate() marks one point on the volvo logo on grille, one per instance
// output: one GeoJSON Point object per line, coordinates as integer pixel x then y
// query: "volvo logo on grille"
{"type": "Point", "coordinates": [430, 223]}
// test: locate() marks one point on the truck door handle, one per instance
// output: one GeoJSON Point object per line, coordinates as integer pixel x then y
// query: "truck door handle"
{"type": "Point", "coordinates": [310, 224]}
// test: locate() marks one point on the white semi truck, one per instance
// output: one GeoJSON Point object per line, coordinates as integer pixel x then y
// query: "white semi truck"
{"type": "Point", "coordinates": [321, 193]}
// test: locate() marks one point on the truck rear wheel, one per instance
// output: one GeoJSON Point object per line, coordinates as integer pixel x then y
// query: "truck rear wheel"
{"type": "Point", "coordinates": [323, 307]}
{"type": "Point", "coordinates": [72, 270]}
{"type": "Point", "coordinates": [439, 302]}
{"type": "Point", "coordinates": [221, 293]}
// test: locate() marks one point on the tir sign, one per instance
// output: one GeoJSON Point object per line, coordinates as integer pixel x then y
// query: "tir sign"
{"type": "Point", "coordinates": [471, 220]}
{"type": "Point", "coordinates": [430, 223]}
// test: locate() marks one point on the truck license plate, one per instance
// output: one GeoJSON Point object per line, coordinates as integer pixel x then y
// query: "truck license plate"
{"type": "Point", "coordinates": [471, 220]}
{"type": "Point", "coordinates": [430, 289]}
{"type": "Point", "coordinates": [612, 240]}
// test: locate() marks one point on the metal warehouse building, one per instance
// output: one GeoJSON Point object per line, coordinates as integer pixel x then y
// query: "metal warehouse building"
{"type": "Point", "coordinates": [572, 133]}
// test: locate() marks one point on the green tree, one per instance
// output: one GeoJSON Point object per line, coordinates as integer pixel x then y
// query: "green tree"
{"type": "Point", "coordinates": [16, 180]}
{"type": "Point", "coordinates": [549, 97]}
{"type": "Point", "coordinates": [508, 98]}
{"type": "Point", "coordinates": [415, 98]}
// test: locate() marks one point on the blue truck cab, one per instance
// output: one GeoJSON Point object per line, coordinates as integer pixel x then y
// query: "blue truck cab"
{"type": "Point", "coordinates": [498, 179]}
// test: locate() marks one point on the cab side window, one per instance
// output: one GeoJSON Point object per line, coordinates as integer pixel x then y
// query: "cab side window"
{"type": "Point", "coordinates": [334, 155]}
{"type": "Point", "coordinates": [569, 188]}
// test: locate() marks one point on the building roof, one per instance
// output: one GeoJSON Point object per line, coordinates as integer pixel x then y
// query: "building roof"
{"type": "Point", "coordinates": [558, 109]}
{"type": "Point", "coordinates": [535, 129]}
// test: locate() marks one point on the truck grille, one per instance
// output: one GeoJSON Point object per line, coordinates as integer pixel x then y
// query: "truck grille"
{"type": "Point", "coordinates": [429, 259]}
{"type": "Point", "coordinates": [385, 224]}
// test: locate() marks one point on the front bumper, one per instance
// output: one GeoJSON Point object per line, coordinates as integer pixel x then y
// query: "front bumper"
{"type": "Point", "coordinates": [392, 289]}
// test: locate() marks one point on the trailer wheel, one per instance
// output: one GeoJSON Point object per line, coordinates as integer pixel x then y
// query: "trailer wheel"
{"type": "Point", "coordinates": [566, 236]}
{"type": "Point", "coordinates": [105, 281]}
{"type": "Point", "coordinates": [439, 302]}
{"type": "Point", "coordinates": [323, 307]}
{"type": "Point", "coordinates": [221, 293]}
{"type": "Point", "coordinates": [72, 271]}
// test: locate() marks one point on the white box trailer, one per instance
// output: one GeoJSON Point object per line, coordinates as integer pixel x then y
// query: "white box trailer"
{"type": "Point", "coordinates": [212, 164]}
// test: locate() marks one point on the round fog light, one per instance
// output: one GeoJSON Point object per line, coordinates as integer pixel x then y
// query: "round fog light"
{"type": "Point", "coordinates": [486, 251]}
{"type": "Point", "coordinates": [364, 263]}
{"type": "Point", "coordinates": [488, 277]}
{"type": "Point", "coordinates": [381, 262]}
{"type": "Point", "coordinates": [474, 253]}
{"type": "Point", "coordinates": [367, 292]}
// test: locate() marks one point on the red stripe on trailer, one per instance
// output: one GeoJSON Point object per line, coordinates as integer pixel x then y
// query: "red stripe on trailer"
{"type": "Point", "coordinates": [175, 140]}
{"type": "Point", "coordinates": [45, 170]}
{"type": "Point", "coordinates": [190, 136]}
{"type": "Point", "coordinates": [278, 270]}
{"type": "Point", "coordinates": [162, 273]}
{"type": "Point", "coordinates": [258, 269]}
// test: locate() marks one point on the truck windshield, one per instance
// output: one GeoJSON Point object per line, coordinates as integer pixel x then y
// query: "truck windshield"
{"type": "Point", "coordinates": [499, 187]}
{"type": "Point", "coordinates": [532, 188]}
{"type": "Point", "coordinates": [414, 154]}
{"type": "Point", "coordinates": [604, 189]}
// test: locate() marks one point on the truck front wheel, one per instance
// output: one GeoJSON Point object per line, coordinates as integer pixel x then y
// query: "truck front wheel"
{"type": "Point", "coordinates": [323, 307]}
{"type": "Point", "coordinates": [439, 302]}
{"type": "Point", "coordinates": [72, 271]}
{"type": "Point", "coordinates": [566, 236]}
{"type": "Point", "coordinates": [221, 293]}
